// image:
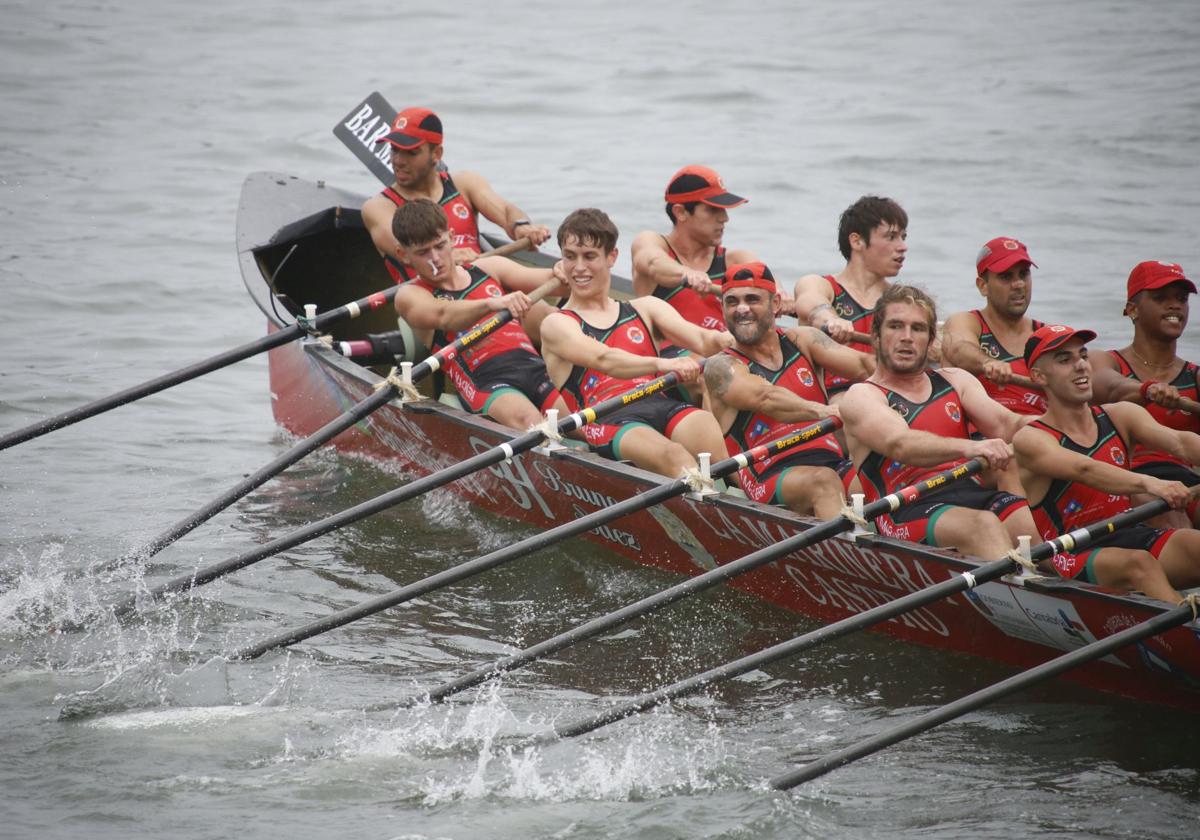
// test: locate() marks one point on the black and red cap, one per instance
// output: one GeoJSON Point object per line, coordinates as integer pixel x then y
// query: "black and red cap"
{"type": "Point", "coordinates": [1051, 337]}
{"type": "Point", "coordinates": [414, 126]}
{"type": "Point", "coordinates": [753, 275]}
{"type": "Point", "coordinates": [1001, 254]}
{"type": "Point", "coordinates": [699, 183]}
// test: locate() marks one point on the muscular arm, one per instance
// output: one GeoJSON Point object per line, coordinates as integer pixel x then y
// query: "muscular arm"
{"type": "Point", "coordinates": [564, 344]}
{"type": "Point", "coordinates": [960, 343]}
{"type": "Point", "coordinates": [1108, 385]}
{"type": "Point", "coordinates": [1136, 424]}
{"type": "Point", "coordinates": [830, 355]}
{"type": "Point", "coordinates": [814, 301]}
{"type": "Point", "coordinates": [871, 424]}
{"type": "Point", "coordinates": [423, 311]}
{"type": "Point", "coordinates": [488, 203]}
{"type": "Point", "coordinates": [522, 278]}
{"type": "Point", "coordinates": [665, 321]}
{"type": "Point", "coordinates": [377, 213]}
{"type": "Point", "coordinates": [1040, 457]}
{"type": "Point", "coordinates": [732, 385]}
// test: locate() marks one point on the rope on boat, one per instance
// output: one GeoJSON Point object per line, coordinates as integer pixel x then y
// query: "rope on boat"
{"type": "Point", "coordinates": [1192, 599]}
{"type": "Point", "coordinates": [408, 391]}
{"type": "Point", "coordinates": [850, 515]}
{"type": "Point", "coordinates": [548, 427]}
{"type": "Point", "coordinates": [698, 481]}
{"type": "Point", "coordinates": [1021, 559]}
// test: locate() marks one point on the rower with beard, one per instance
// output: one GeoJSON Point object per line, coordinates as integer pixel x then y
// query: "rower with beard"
{"type": "Point", "coordinates": [596, 348]}
{"type": "Point", "coordinates": [980, 341]}
{"type": "Point", "coordinates": [1075, 464]}
{"type": "Point", "coordinates": [416, 141]}
{"type": "Point", "coordinates": [872, 236]}
{"type": "Point", "coordinates": [686, 266]}
{"type": "Point", "coordinates": [503, 376]}
{"type": "Point", "coordinates": [1149, 372]}
{"type": "Point", "coordinates": [926, 431]}
{"type": "Point", "coordinates": [768, 384]}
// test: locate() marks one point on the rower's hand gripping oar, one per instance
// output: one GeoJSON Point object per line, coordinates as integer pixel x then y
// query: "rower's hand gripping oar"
{"type": "Point", "coordinates": [501, 452]}
{"type": "Point", "coordinates": [1095, 650]}
{"type": "Point", "coordinates": [527, 546]}
{"type": "Point", "coordinates": [1075, 540]}
{"type": "Point", "coordinates": [385, 392]}
{"type": "Point", "coordinates": [303, 326]}
{"type": "Point", "coordinates": [709, 579]}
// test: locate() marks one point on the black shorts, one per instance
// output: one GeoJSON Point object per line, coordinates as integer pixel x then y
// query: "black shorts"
{"type": "Point", "coordinates": [915, 522]}
{"type": "Point", "coordinates": [660, 413]}
{"type": "Point", "coordinates": [524, 373]}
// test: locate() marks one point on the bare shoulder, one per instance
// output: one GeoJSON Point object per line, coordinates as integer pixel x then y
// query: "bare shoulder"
{"type": "Point", "coordinates": [815, 284]}
{"type": "Point", "coordinates": [648, 240]}
{"type": "Point", "coordinates": [962, 323]}
{"type": "Point", "coordinates": [739, 256]}
{"type": "Point", "coordinates": [377, 208]}
{"type": "Point", "coordinates": [719, 371]}
{"type": "Point", "coordinates": [960, 379]}
{"type": "Point", "coordinates": [1104, 360]}
{"type": "Point", "coordinates": [860, 401]}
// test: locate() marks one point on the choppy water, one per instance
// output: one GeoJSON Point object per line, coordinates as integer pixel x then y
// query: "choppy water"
{"type": "Point", "coordinates": [127, 130]}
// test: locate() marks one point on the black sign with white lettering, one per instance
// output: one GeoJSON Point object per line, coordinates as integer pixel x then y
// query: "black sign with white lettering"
{"type": "Point", "coordinates": [361, 130]}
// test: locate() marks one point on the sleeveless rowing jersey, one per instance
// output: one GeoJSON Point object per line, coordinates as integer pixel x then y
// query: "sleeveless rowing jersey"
{"type": "Point", "coordinates": [464, 228]}
{"type": "Point", "coordinates": [941, 414]}
{"type": "Point", "coordinates": [1068, 505]}
{"type": "Point", "coordinates": [1013, 397]}
{"type": "Point", "coordinates": [585, 386]}
{"type": "Point", "coordinates": [1186, 383]}
{"type": "Point", "coordinates": [704, 310]}
{"type": "Point", "coordinates": [508, 338]}
{"type": "Point", "coordinates": [750, 428]}
{"type": "Point", "coordinates": [860, 317]}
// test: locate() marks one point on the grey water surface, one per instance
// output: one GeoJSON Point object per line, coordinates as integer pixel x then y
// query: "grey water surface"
{"type": "Point", "coordinates": [126, 130]}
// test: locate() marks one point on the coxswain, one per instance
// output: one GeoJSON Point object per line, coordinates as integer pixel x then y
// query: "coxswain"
{"type": "Point", "coordinates": [872, 236]}
{"type": "Point", "coordinates": [416, 141]}
{"type": "Point", "coordinates": [926, 431]}
{"type": "Point", "coordinates": [1075, 466]}
{"type": "Point", "coordinates": [596, 347]}
{"type": "Point", "coordinates": [981, 341]}
{"type": "Point", "coordinates": [1149, 372]}
{"type": "Point", "coordinates": [503, 376]}
{"type": "Point", "coordinates": [686, 266]}
{"type": "Point", "coordinates": [769, 385]}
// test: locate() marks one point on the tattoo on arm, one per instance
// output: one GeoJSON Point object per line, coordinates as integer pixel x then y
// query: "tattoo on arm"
{"type": "Point", "coordinates": [817, 310]}
{"type": "Point", "coordinates": [718, 374]}
{"type": "Point", "coordinates": [822, 340]}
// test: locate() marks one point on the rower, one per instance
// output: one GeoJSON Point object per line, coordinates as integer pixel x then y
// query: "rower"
{"type": "Point", "coordinates": [926, 431]}
{"type": "Point", "coordinates": [503, 377]}
{"type": "Point", "coordinates": [872, 236]}
{"type": "Point", "coordinates": [768, 384]}
{"type": "Point", "coordinates": [981, 341]}
{"type": "Point", "coordinates": [1075, 465]}
{"type": "Point", "coordinates": [596, 348]}
{"type": "Point", "coordinates": [686, 266]}
{"type": "Point", "coordinates": [416, 141]}
{"type": "Point", "coordinates": [1149, 372]}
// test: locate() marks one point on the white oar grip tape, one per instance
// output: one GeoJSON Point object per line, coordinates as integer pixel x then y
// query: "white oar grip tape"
{"type": "Point", "coordinates": [354, 309]}
{"type": "Point", "coordinates": [508, 452]}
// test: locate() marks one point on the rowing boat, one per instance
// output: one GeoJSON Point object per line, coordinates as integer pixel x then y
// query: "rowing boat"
{"type": "Point", "coordinates": [304, 243]}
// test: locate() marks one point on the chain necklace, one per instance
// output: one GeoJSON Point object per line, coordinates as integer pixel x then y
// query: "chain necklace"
{"type": "Point", "coordinates": [1150, 364]}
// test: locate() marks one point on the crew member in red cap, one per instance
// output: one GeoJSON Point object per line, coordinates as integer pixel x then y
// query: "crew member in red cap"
{"type": "Point", "coordinates": [503, 376]}
{"type": "Point", "coordinates": [1075, 466]}
{"type": "Point", "coordinates": [1150, 373]}
{"type": "Point", "coordinates": [906, 423]}
{"type": "Point", "coordinates": [685, 267]}
{"type": "Point", "coordinates": [768, 385]}
{"type": "Point", "coordinates": [981, 341]}
{"type": "Point", "coordinates": [872, 236]}
{"type": "Point", "coordinates": [416, 141]}
{"type": "Point", "coordinates": [596, 348]}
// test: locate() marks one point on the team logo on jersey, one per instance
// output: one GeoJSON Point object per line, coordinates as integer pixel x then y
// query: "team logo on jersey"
{"type": "Point", "coordinates": [1073, 506]}
{"type": "Point", "coordinates": [843, 309]}
{"type": "Point", "coordinates": [900, 408]}
{"type": "Point", "coordinates": [953, 413]}
{"type": "Point", "coordinates": [493, 291]}
{"type": "Point", "coordinates": [1117, 455]}
{"type": "Point", "coordinates": [636, 335]}
{"type": "Point", "coordinates": [991, 349]}
{"type": "Point", "coordinates": [892, 467]}
{"type": "Point", "coordinates": [759, 429]}
{"type": "Point", "coordinates": [806, 377]}
{"type": "Point", "coordinates": [590, 382]}
{"type": "Point", "coordinates": [461, 211]}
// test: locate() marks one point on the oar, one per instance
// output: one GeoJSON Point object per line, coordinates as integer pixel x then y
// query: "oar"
{"type": "Point", "coordinates": [709, 579]}
{"type": "Point", "coordinates": [528, 546]}
{"type": "Point", "coordinates": [1190, 406]}
{"type": "Point", "coordinates": [1098, 649]}
{"type": "Point", "coordinates": [387, 391]}
{"type": "Point", "coordinates": [517, 445]}
{"type": "Point", "coordinates": [1074, 540]}
{"type": "Point", "coordinates": [153, 386]}
{"type": "Point", "coordinates": [861, 338]}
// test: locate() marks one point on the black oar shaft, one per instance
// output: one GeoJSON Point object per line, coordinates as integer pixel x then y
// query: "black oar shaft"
{"type": "Point", "coordinates": [689, 587]}
{"type": "Point", "coordinates": [332, 523]}
{"type": "Point", "coordinates": [516, 551]}
{"type": "Point", "coordinates": [1088, 653]}
{"type": "Point", "coordinates": [314, 441]}
{"type": "Point", "coordinates": [161, 383]}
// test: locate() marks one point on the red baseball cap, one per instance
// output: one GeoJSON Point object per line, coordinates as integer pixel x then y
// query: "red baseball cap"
{"type": "Point", "coordinates": [753, 275]}
{"type": "Point", "coordinates": [1001, 254]}
{"type": "Point", "coordinates": [1050, 337]}
{"type": "Point", "coordinates": [699, 183]}
{"type": "Point", "coordinates": [414, 126]}
{"type": "Point", "coordinates": [1154, 274]}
